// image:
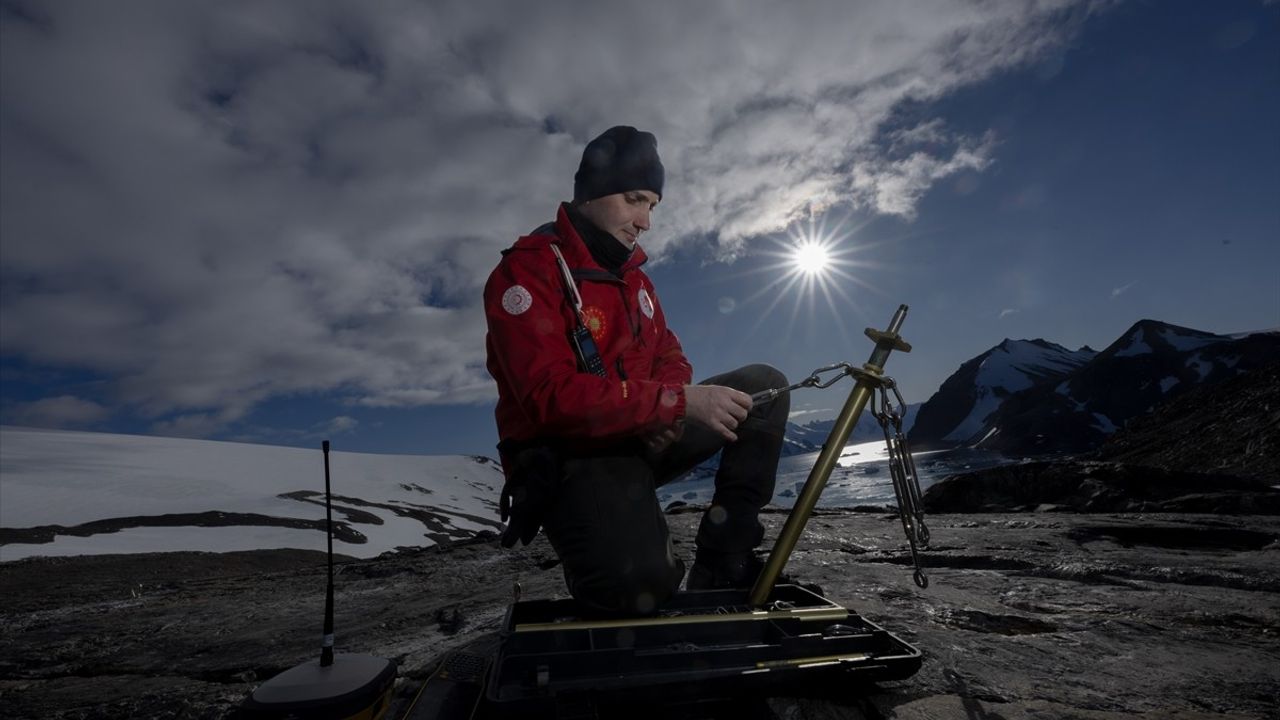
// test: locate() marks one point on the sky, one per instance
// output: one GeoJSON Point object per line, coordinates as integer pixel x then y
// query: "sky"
{"type": "Point", "coordinates": [272, 222]}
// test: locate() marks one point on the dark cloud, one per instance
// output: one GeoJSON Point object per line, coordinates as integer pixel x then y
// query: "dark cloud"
{"type": "Point", "coordinates": [219, 203]}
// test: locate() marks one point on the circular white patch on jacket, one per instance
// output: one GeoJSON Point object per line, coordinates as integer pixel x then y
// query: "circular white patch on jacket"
{"type": "Point", "coordinates": [516, 300]}
{"type": "Point", "coordinates": [646, 305]}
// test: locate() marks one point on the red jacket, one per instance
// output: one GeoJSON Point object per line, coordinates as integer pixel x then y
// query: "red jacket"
{"type": "Point", "coordinates": [541, 392]}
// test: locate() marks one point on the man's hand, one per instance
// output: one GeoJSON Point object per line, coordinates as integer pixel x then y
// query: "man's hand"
{"type": "Point", "coordinates": [716, 407]}
{"type": "Point", "coordinates": [660, 440]}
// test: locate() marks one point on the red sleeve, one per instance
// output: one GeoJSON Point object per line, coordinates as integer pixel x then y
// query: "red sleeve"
{"type": "Point", "coordinates": [528, 344]}
{"type": "Point", "coordinates": [669, 365]}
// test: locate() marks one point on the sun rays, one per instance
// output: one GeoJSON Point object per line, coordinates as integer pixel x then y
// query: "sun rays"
{"type": "Point", "coordinates": [813, 259]}
{"type": "Point", "coordinates": [810, 258]}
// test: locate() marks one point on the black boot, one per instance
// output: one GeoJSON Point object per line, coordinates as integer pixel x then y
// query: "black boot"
{"type": "Point", "coordinates": [722, 571]}
{"type": "Point", "coordinates": [719, 571]}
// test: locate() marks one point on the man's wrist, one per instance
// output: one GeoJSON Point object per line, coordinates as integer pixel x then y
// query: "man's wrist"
{"type": "Point", "coordinates": [673, 404]}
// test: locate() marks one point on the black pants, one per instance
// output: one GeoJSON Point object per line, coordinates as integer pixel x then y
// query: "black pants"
{"type": "Point", "coordinates": [606, 524]}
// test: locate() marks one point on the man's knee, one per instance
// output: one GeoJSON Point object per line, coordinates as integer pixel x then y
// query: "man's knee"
{"type": "Point", "coordinates": [750, 378]}
{"type": "Point", "coordinates": [763, 376]}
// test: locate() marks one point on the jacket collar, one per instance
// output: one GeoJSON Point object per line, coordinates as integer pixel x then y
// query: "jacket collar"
{"type": "Point", "coordinates": [575, 250]}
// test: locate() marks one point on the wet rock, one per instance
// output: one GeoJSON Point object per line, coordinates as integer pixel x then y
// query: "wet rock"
{"type": "Point", "coordinates": [979, 621]}
{"type": "Point", "coordinates": [1053, 615]}
{"type": "Point", "coordinates": [449, 620]}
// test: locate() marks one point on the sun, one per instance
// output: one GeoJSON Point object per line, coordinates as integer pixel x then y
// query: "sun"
{"type": "Point", "coordinates": [813, 264]}
{"type": "Point", "coordinates": [811, 258]}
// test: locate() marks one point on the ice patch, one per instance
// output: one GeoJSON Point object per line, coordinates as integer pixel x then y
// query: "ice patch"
{"type": "Point", "coordinates": [987, 403]}
{"type": "Point", "coordinates": [177, 539]}
{"type": "Point", "coordinates": [986, 437]}
{"type": "Point", "coordinates": [1269, 331]}
{"type": "Point", "coordinates": [1200, 365]}
{"type": "Point", "coordinates": [1184, 342]}
{"type": "Point", "coordinates": [1167, 383]}
{"type": "Point", "coordinates": [1104, 423]}
{"type": "Point", "coordinates": [1139, 345]}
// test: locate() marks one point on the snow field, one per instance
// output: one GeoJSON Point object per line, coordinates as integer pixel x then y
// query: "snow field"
{"type": "Point", "coordinates": [65, 478]}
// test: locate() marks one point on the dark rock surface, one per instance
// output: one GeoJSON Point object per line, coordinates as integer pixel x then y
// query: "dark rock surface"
{"type": "Point", "coordinates": [1027, 616]}
{"type": "Point", "coordinates": [1092, 486]}
{"type": "Point", "coordinates": [1233, 428]}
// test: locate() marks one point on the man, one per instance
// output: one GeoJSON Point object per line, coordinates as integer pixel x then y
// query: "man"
{"type": "Point", "coordinates": [596, 406]}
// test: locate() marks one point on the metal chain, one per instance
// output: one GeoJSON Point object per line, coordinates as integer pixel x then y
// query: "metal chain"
{"type": "Point", "coordinates": [906, 484]}
{"type": "Point", "coordinates": [814, 381]}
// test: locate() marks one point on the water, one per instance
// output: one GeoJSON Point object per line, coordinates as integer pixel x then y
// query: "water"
{"type": "Point", "coordinates": [861, 476]}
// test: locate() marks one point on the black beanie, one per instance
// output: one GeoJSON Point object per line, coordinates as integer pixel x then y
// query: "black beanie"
{"type": "Point", "coordinates": [620, 160]}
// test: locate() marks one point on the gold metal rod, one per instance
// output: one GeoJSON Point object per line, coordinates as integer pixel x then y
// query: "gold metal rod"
{"type": "Point", "coordinates": [828, 613]}
{"type": "Point", "coordinates": [820, 660]}
{"type": "Point", "coordinates": [812, 490]}
{"type": "Point", "coordinates": [809, 495]}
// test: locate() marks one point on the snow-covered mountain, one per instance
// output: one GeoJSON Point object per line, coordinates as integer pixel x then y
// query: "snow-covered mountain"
{"type": "Point", "coordinates": [78, 493]}
{"type": "Point", "coordinates": [814, 433]}
{"type": "Point", "coordinates": [958, 413]}
{"type": "Point", "coordinates": [1035, 396]}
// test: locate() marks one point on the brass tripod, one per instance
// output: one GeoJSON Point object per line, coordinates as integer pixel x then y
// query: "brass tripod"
{"type": "Point", "coordinates": [869, 379]}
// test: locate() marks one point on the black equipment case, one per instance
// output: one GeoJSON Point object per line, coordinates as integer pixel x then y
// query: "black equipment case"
{"type": "Point", "coordinates": [704, 643]}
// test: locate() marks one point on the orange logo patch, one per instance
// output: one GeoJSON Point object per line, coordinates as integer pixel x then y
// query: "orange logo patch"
{"type": "Point", "coordinates": [593, 318]}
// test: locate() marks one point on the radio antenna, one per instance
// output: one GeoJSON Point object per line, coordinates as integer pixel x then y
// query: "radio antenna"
{"type": "Point", "coordinates": [326, 647]}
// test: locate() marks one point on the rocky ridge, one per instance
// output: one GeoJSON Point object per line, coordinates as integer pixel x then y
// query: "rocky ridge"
{"type": "Point", "coordinates": [1099, 487]}
{"type": "Point", "coordinates": [1037, 398]}
{"type": "Point", "coordinates": [1231, 428]}
{"type": "Point", "coordinates": [959, 411]}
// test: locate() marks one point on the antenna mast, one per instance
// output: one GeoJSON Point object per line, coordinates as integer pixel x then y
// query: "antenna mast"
{"type": "Point", "coordinates": [326, 648]}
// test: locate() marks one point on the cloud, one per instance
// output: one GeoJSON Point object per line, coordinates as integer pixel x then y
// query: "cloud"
{"type": "Point", "coordinates": [1007, 312]}
{"type": "Point", "coordinates": [200, 424]}
{"type": "Point", "coordinates": [64, 411]}
{"type": "Point", "coordinates": [340, 424]}
{"type": "Point", "coordinates": [279, 434]}
{"type": "Point", "coordinates": [895, 186]}
{"type": "Point", "coordinates": [1117, 292]}
{"type": "Point", "coordinates": [215, 204]}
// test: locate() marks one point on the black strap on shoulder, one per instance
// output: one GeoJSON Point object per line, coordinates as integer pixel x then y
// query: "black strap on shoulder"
{"type": "Point", "coordinates": [580, 338]}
